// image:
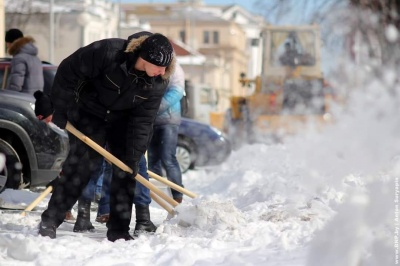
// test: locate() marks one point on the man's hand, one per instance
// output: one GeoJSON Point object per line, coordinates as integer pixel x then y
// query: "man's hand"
{"type": "Point", "coordinates": [45, 119]}
{"type": "Point", "coordinates": [134, 165]}
{"type": "Point", "coordinates": [59, 119]}
{"type": "Point", "coordinates": [53, 183]}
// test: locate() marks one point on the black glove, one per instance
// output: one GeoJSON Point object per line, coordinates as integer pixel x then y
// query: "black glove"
{"type": "Point", "coordinates": [53, 182]}
{"type": "Point", "coordinates": [43, 105]}
{"type": "Point", "coordinates": [134, 165]}
{"type": "Point", "coordinates": [60, 119]}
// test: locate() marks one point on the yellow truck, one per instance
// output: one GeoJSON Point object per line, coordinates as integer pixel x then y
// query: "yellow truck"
{"type": "Point", "coordinates": [290, 90]}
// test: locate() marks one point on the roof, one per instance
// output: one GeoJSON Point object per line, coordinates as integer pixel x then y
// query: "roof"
{"type": "Point", "coordinates": [172, 12]}
{"type": "Point", "coordinates": [186, 55]}
{"type": "Point", "coordinates": [179, 50]}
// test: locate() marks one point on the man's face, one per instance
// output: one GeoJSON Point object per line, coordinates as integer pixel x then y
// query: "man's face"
{"type": "Point", "coordinates": [153, 70]}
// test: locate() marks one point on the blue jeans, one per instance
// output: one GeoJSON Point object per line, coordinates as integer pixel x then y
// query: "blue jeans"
{"type": "Point", "coordinates": [99, 188]}
{"type": "Point", "coordinates": [91, 191]}
{"type": "Point", "coordinates": [103, 182]}
{"type": "Point", "coordinates": [104, 189]}
{"type": "Point", "coordinates": [142, 193]}
{"type": "Point", "coordinates": [162, 153]}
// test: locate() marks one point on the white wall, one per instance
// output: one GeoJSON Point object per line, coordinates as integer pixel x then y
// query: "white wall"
{"type": "Point", "coordinates": [72, 29]}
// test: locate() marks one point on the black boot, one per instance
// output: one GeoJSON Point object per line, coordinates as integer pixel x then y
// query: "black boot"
{"type": "Point", "coordinates": [143, 223]}
{"type": "Point", "coordinates": [47, 230]}
{"type": "Point", "coordinates": [117, 235]}
{"type": "Point", "coordinates": [83, 223]}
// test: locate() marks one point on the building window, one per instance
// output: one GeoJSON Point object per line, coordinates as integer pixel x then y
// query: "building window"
{"type": "Point", "coordinates": [255, 42]}
{"type": "Point", "coordinates": [182, 36]}
{"type": "Point", "coordinates": [216, 37]}
{"type": "Point", "coordinates": [206, 37]}
{"type": "Point", "coordinates": [234, 15]}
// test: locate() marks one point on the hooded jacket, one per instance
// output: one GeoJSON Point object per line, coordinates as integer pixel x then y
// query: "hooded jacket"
{"type": "Point", "coordinates": [26, 68]}
{"type": "Point", "coordinates": [170, 107]}
{"type": "Point", "coordinates": [100, 79]}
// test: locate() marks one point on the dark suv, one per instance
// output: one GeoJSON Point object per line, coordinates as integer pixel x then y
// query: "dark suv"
{"type": "Point", "coordinates": [40, 149]}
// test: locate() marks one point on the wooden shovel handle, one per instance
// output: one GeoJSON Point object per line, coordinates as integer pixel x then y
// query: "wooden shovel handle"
{"type": "Point", "coordinates": [37, 200]}
{"type": "Point", "coordinates": [111, 158]}
{"type": "Point", "coordinates": [156, 190]}
{"type": "Point", "coordinates": [108, 156]}
{"type": "Point", "coordinates": [162, 203]}
{"type": "Point", "coordinates": [171, 184]}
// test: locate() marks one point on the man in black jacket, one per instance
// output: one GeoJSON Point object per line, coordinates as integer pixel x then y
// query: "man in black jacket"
{"type": "Point", "coordinates": [110, 90]}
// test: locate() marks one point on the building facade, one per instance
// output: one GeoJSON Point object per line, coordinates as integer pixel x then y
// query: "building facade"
{"type": "Point", "coordinates": [227, 36]}
{"type": "Point", "coordinates": [216, 43]}
{"type": "Point", "coordinates": [75, 24]}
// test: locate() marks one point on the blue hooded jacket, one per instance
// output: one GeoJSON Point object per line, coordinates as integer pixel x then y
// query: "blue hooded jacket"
{"type": "Point", "coordinates": [170, 108]}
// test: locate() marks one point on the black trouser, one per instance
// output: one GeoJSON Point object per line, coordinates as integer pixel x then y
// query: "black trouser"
{"type": "Point", "coordinates": [82, 162]}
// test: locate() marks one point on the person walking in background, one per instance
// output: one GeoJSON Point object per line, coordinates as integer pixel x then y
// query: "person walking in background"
{"type": "Point", "coordinates": [162, 148]}
{"type": "Point", "coordinates": [110, 90]}
{"type": "Point", "coordinates": [26, 68]}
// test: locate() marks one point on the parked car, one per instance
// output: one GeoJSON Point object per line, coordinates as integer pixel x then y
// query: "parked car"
{"type": "Point", "coordinates": [200, 144]}
{"type": "Point", "coordinates": [38, 148]}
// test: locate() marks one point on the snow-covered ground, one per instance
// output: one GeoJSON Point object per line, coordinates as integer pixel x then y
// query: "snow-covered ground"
{"type": "Point", "coordinates": [326, 198]}
{"type": "Point", "coordinates": [251, 210]}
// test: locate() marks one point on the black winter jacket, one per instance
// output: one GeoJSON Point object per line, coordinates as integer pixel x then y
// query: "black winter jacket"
{"type": "Point", "coordinates": [99, 79]}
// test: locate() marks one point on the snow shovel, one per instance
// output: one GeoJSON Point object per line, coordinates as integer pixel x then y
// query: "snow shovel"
{"type": "Point", "coordinates": [50, 188]}
{"type": "Point", "coordinates": [157, 193]}
{"type": "Point", "coordinates": [44, 194]}
{"type": "Point", "coordinates": [171, 184]}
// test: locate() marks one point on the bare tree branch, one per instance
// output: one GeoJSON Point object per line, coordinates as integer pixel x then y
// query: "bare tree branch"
{"type": "Point", "coordinates": [342, 19]}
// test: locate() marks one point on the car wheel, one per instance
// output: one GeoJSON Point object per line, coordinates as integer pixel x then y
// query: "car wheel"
{"type": "Point", "coordinates": [184, 155]}
{"type": "Point", "coordinates": [11, 175]}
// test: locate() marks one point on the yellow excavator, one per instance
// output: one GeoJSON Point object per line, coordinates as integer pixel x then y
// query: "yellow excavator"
{"type": "Point", "coordinates": [290, 91]}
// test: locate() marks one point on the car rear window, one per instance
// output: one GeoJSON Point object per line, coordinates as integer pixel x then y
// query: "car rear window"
{"type": "Point", "coordinates": [48, 74]}
{"type": "Point", "coordinates": [3, 68]}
